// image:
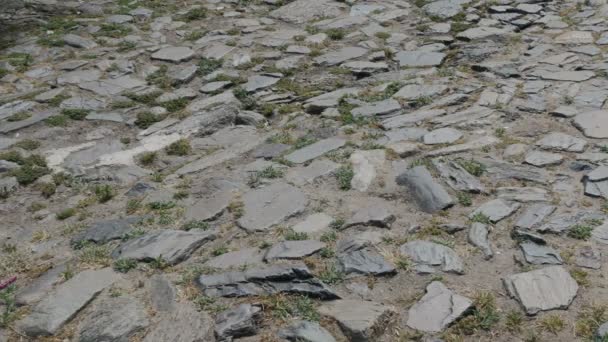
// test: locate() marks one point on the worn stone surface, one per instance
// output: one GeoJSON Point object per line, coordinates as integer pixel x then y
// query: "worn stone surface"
{"type": "Point", "coordinates": [106, 322]}
{"type": "Point", "coordinates": [173, 246]}
{"type": "Point", "coordinates": [544, 289]}
{"type": "Point", "coordinates": [496, 210]}
{"type": "Point", "coordinates": [539, 254]}
{"type": "Point", "coordinates": [237, 322]}
{"type": "Point", "coordinates": [426, 255]}
{"type": "Point", "coordinates": [61, 305]}
{"type": "Point", "coordinates": [429, 194]}
{"type": "Point", "coordinates": [315, 150]}
{"type": "Point", "coordinates": [478, 236]}
{"type": "Point", "coordinates": [365, 262]}
{"type": "Point", "coordinates": [437, 309]}
{"type": "Point", "coordinates": [270, 205]}
{"type": "Point", "coordinates": [293, 249]}
{"type": "Point", "coordinates": [361, 321]}
{"type": "Point", "coordinates": [281, 278]}
{"type": "Point", "coordinates": [305, 331]}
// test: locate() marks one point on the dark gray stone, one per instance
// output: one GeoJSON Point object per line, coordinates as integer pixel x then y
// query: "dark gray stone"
{"type": "Point", "coordinates": [237, 322]}
{"type": "Point", "coordinates": [540, 255]}
{"type": "Point", "coordinates": [113, 319]}
{"type": "Point", "coordinates": [104, 231]}
{"type": "Point", "coordinates": [365, 262]}
{"type": "Point", "coordinates": [305, 331]}
{"type": "Point", "coordinates": [427, 255]}
{"type": "Point", "coordinates": [174, 246]}
{"type": "Point", "coordinates": [281, 278]}
{"type": "Point", "coordinates": [429, 195]}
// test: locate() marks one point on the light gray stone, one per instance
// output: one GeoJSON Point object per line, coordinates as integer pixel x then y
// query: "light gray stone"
{"type": "Point", "coordinates": [365, 262]}
{"type": "Point", "coordinates": [237, 322]}
{"type": "Point", "coordinates": [437, 309]}
{"type": "Point", "coordinates": [309, 174]}
{"type": "Point", "coordinates": [534, 216]}
{"type": "Point", "coordinates": [562, 142]}
{"type": "Point", "coordinates": [314, 224]}
{"type": "Point", "coordinates": [78, 41]}
{"type": "Point", "coordinates": [315, 150]}
{"type": "Point", "coordinates": [173, 54]}
{"type": "Point", "coordinates": [305, 331]}
{"type": "Point", "coordinates": [339, 56]}
{"type": "Point", "coordinates": [174, 246]}
{"type": "Point", "coordinates": [541, 159]}
{"type": "Point", "coordinates": [302, 11]}
{"type": "Point", "coordinates": [588, 257]}
{"type": "Point", "coordinates": [426, 255]}
{"type": "Point", "coordinates": [268, 206]}
{"type": "Point", "coordinates": [457, 177]}
{"type": "Point", "coordinates": [594, 124]}
{"type": "Point", "coordinates": [293, 249]}
{"type": "Point", "coordinates": [442, 136]}
{"type": "Point", "coordinates": [244, 257]}
{"type": "Point", "coordinates": [416, 59]}
{"type": "Point", "coordinates": [544, 289]}
{"type": "Point", "coordinates": [106, 322]}
{"type": "Point", "coordinates": [496, 209]}
{"type": "Point", "coordinates": [429, 194]}
{"type": "Point", "coordinates": [185, 324]}
{"type": "Point", "coordinates": [375, 212]}
{"type": "Point", "coordinates": [361, 321]}
{"type": "Point", "coordinates": [61, 305]}
{"type": "Point", "coordinates": [478, 237]}
{"type": "Point", "coordinates": [377, 108]}
{"type": "Point", "coordinates": [539, 254]}
{"type": "Point", "coordinates": [258, 82]}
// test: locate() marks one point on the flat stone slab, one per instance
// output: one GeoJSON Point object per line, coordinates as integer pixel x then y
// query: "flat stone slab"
{"type": "Point", "coordinates": [444, 135]}
{"type": "Point", "coordinates": [305, 331]}
{"type": "Point", "coordinates": [540, 254]}
{"type": "Point", "coordinates": [311, 173]}
{"type": "Point", "coordinates": [185, 324]}
{"type": "Point", "coordinates": [294, 278]}
{"type": "Point", "coordinates": [365, 262]}
{"type": "Point", "coordinates": [496, 209]}
{"type": "Point", "coordinates": [427, 255]}
{"type": "Point", "coordinates": [437, 309]}
{"type": "Point", "coordinates": [302, 11]}
{"type": "Point", "coordinates": [534, 215]}
{"type": "Point", "coordinates": [293, 249]}
{"type": "Point", "coordinates": [104, 231]}
{"type": "Point", "coordinates": [478, 237]}
{"type": "Point", "coordinates": [174, 54]}
{"type": "Point", "coordinates": [457, 177]}
{"type": "Point", "coordinates": [61, 305]}
{"type": "Point", "coordinates": [315, 150]}
{"type": "Point", "coordinates": [314, 224]}
{"type": "Point", "coordinates": [247, 256]}
{"type": "Point", "coordinates": [375, 212]}
{"type": "Point", "coordinates": [337, 57]}
{"type": "Point", "coordinates": [414, 59]}
{"type": "Point", "coordinates": [212, 201]}
{"type": "Point", "coordinates": [360, 321]}
{"type": "Point", "coordinates": [593, 124]}
{"type": "Point", "coordinates": [239, 321]}
{"type": "Point", "coordinates": [544, 289]}
{"type": "Point", "coordinates": [429, 194]}
{"type": "Point", "coordinates": [174, 246]}
{"type": "Point", "coordinates": [106, 322]}
{"type": "Point", "coordinates": [268, 206]}
{"type": "Point", "coordinates": [562, 142]}
{"type": "Point", "coordinates": [541, 158]}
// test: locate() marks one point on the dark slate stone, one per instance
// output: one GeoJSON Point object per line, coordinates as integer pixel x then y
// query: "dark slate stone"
{"type": "Point", "coordinates": [104, 231]}
{"type": "Point", "coordinates": [540, 255]}
{"type": "Point", "coordinates": [365, 262]}
{"type": "Point", "coordinates": [281, 278]}
{"type": "Point", "coordinates": [240, 321]}
{"type": "Point", "coordinates": [429, 195]}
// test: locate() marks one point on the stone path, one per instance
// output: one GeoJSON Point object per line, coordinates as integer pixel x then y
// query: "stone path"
{"type": "Point", "coordinates": [303, 170]}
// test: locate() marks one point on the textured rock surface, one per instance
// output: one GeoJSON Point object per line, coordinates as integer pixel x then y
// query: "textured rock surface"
{"type": "Point", "coordinates": [545, 289]}
{"type": "Point", "coordinates": [437, 309]}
